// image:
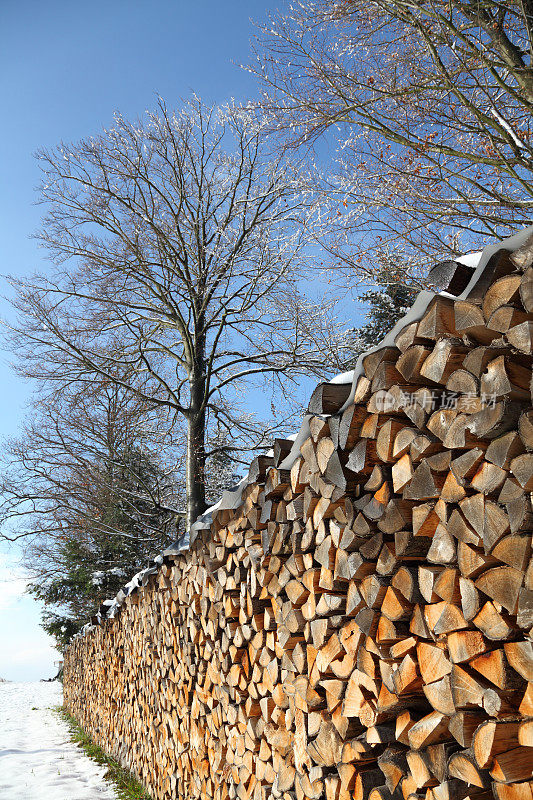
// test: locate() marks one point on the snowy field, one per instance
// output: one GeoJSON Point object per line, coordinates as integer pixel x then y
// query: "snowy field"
{"type": "Point", "coordinates": [37, 759]}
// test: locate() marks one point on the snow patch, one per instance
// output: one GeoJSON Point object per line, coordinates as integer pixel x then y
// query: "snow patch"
{"type": "Point", "coordinates": [39, 762]}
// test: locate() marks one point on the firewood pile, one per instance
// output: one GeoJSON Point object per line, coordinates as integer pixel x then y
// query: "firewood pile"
{"type": "Point", "coordinates": [360, 625]}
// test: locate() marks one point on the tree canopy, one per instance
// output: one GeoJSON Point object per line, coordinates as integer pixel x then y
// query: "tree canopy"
{"type": "Point", "coordinates": [430, 103]}
{"type": "Point", "coordinates": [179, 273]}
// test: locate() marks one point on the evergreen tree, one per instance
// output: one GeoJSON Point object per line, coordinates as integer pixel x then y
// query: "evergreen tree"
{"type": "Point", "coordinates": [221, 470]}
{"type": "Point", "coordinates": [388, 301]}
{"type": "Point", "coordinates": [76, 571]}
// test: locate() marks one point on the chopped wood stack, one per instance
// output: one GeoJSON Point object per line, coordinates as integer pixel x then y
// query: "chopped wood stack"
{"type": "Point", "coordinates": [361, 625]}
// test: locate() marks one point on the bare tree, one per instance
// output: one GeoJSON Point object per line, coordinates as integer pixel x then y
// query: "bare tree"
{"type": "Point", "coordinates": [431, 103]}
{"type": "Point", "coordinates": [85, 491]}
{"type": "Point", "coordinates": [83, 456]}
{"type": "Point", "coordinates": [178, 271]}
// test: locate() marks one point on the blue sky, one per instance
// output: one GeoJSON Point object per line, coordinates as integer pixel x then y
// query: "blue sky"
{"type": "Point", "coordinates": [65, 67]}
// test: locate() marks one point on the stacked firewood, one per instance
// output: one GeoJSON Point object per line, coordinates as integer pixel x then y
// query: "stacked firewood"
{"type": "Point", "coordinates": [361, 625]}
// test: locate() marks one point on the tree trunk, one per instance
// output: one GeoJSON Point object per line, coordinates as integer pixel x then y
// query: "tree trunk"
{"type": "Point", "coordinates": [195, 469]}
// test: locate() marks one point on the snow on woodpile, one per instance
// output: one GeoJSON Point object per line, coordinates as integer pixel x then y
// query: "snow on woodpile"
{"type": "Point", "coordinates": [355, 619]}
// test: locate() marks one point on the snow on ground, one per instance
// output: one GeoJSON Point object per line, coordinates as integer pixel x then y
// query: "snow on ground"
{"type": "Point", "coordinates": [37, 759]}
